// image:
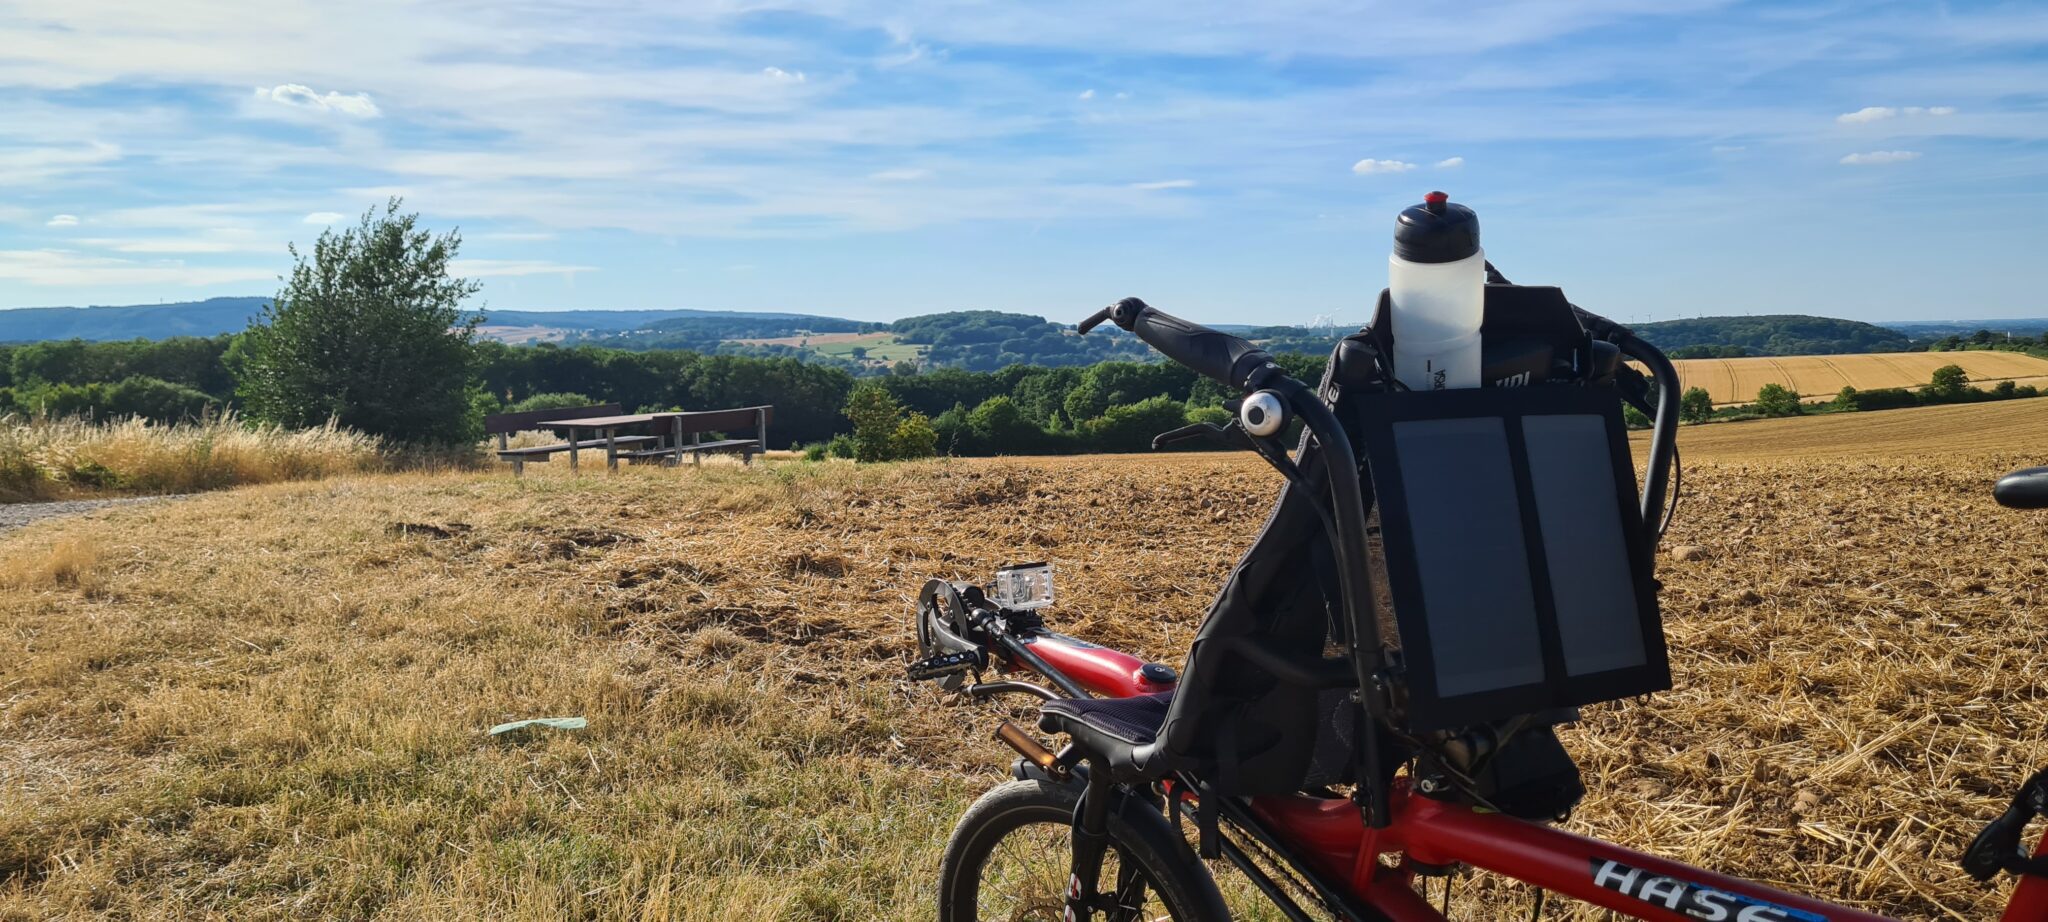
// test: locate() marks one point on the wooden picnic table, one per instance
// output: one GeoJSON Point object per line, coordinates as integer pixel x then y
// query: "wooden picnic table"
{"type": "Point", "coordinates": [682, 422]}
{"type": "Point", "coordinates": [608, 428]}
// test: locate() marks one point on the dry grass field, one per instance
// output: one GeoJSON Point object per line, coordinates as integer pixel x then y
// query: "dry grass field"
{"type": "Point", "coordinates": [1821, 377]}
{"type": "Point", "coordinates": [271, 702]}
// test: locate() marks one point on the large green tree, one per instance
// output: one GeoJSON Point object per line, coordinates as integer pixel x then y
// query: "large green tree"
{"type": "Point", "coordinates": [369, 331]}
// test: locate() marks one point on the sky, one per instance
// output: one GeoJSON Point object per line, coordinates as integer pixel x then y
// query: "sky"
{"type": "Point", "coordinates": [1227, 161]}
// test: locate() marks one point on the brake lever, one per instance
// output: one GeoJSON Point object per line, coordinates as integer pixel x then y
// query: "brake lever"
{"type": "Point", "coordinates": [1195, 431]}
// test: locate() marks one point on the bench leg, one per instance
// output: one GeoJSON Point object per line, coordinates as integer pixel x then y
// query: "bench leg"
{"type": "Point", "coordinates": [611, 449]}
{"type": "Point", "coordinates": [572, 449]}
{"type": "Point", "coordinates": [518, 467]}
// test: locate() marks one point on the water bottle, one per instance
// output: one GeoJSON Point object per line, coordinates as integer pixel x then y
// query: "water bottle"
{"type": "Point", "coordinates": [1436, 285]}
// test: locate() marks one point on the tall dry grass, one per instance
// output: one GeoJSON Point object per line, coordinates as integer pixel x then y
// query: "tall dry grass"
{"type": "Point", "coordinates": [58, 458]}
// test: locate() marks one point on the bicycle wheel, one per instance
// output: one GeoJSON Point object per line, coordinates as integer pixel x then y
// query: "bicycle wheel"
{"type": "Point", "coordinates": [1008, 861]}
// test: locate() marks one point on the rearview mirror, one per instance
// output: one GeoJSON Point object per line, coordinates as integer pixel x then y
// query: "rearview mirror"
{"type": "Point", "coordinates": [2027, 489]}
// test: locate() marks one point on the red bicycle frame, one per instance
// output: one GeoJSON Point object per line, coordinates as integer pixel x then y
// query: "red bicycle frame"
{"type": "Point", "coordinates": [1340, 853]}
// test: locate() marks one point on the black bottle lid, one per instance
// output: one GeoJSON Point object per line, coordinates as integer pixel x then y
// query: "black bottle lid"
{"type": "Point", "coordinates": [1436, 231]}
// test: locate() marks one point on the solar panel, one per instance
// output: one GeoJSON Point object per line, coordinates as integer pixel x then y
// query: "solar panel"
{"type": "Point", "coordinates": [1519, 568]}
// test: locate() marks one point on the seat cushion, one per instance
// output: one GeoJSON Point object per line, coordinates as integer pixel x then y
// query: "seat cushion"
{"type": "Point", "coordinates": [1134, 720]}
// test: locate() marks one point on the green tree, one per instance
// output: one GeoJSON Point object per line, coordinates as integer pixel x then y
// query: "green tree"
{"type": "Point", "coordinates": [1848, 398]}
{"type": "Point", "coordinates": [875, 416]}
{"type": "Point", "coordinates": [1778, 400]}
{"type": "Point", "coordinates": [368, 331]}
{"type": "Point", "coordinates": [1696, 406]}
{"type": "Point", "coordinates": [1949, 382]}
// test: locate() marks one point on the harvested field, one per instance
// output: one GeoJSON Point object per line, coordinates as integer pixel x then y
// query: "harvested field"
{"type": "Point", "coordinates": [1821, 377]}
{"type": "Point", "coordinates": [271, 702]}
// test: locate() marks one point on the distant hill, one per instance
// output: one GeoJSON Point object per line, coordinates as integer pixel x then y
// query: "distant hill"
{"type": "Point", "coordinates": [215, 316]}
{"type": "Point", "coordinates": [965, 339]}
{"type": "Point", "coordinates": [1771, 334]}
{"type": "Point", "coordinates": [210, 317]}
{"type": "Point", "coordinates": [1936, 329]}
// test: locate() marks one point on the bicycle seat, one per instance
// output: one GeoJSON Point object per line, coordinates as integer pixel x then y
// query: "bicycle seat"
{"type": "Point", "coordinates": [1120, 731]}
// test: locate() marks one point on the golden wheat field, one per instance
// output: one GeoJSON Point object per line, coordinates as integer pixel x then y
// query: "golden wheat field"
{"type": "Point", "coordinates": [271, 702]}
{"type": "Point", "coordinates": [1820, 377]}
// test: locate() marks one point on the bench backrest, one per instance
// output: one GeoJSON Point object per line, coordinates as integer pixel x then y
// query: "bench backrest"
{"type": "Point", "coordinates": [727, 420]}
{"type": "Point", "coordinates": [507, 423]}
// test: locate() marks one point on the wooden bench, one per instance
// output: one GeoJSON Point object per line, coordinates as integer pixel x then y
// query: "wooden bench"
{"type": "Point", "coordinates": [695, 424]}
{"type": "Point", "coordinates": [504, 425]}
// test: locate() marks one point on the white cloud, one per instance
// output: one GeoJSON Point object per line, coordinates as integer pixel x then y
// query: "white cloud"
{"type": "Point", "coordinates": [784, 76]}
{"type": "Point", "coordinates": [1880, 157]}
{"type": "Point", "coordinates": [904, 175]}
{"type": "Point", "coordinates": [1729, 148]}
{"type": "Point", "coordinates": [1164, 184]}
{"type": "Point", "coordinates": [63, 220]}
{"type": "Point", "coordinates": [1369, 165]}
{"type": "Point", "coordinates": [1450, 163]}
{"type": "Point", "coordinates": [301, 96]}
{"type": "Point", "coordinates": [31, 165]}
{"type": "Point", "coordinates": [1869, 114]}
{"type": "Point", "coordinates": [515, 236]}
{"type": "Point", "coordinates": [67, 268]}
{"type": "Point", "coordinates": [182, 245]}
{"type": "Point", "coordinates": [485, 268]}
{"type": "Point", "coordinates": [1088, 94]}
{"type": "Point", "coordinates": [323, 217]}
{"type": "Point", "coordinates": [1123, 95]}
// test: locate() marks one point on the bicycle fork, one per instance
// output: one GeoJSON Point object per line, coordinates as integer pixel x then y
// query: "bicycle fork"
{"type": "Point", "coordinates": [1091, 843]}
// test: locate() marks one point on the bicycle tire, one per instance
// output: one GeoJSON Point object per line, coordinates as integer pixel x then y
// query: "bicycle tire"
{"type": "Point", "coordinates": [1168, 867]}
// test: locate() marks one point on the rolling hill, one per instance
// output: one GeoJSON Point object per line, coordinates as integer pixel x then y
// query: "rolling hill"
{"type": "Point", "coordinates": [1732, 381]}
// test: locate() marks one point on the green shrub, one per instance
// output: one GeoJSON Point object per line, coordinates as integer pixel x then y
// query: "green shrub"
{"type": "Point", "coordinates": [1131, 426]}
{"type": "Point", "coordinates": [1696, 406]}
{"type": "Point", "coordinates": [1778, 400]}
{"type": "Point", "coordinates": [913, 438]}
{"type": "Point", "coordinates": [814, 451]}
{"type": "Point", "coordinates": [562, 400]}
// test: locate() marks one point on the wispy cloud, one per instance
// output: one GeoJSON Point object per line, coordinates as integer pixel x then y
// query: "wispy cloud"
{"type": "Point", "coordinates": [66, 268]}
{"type": "Point", "coordinates": [1369, 166]}
{"type": "Point", "coordinates": [1164, 184]}
{"type": "Point", "coordinates": [1087, 94]}
{"type": "Point", "coordinates": [357, 105]}
{"type": "Point", "coordinates": [1869, 114]}
{"type": "Point", "coordinates": [486, 268]}
{"type": "Point", "coordinates": [784, 76]}
{"type": "Point", "coordinates": [1450, 163]}
{"type": "Point", "coordinates": [322, 217]}
{"type": "Point", "coordinates": [1881, 157]}
{"type": "Point", "coordinates": [62, 220]}
{"type": "Point", "coordinates": [900, 175]}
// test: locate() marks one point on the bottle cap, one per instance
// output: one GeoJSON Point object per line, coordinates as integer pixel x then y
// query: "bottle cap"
{"type": "Point", "coordinates": [1436, 231]}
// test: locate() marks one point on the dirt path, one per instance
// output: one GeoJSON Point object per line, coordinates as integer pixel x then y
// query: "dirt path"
{"type": "Point", "coordinates": [16, 515]}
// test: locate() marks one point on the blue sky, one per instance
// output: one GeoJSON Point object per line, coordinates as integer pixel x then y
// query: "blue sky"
{"type": "Point", "coordinates": [1229, 161]}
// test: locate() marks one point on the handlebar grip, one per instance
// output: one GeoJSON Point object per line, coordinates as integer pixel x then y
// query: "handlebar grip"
{"type": "Point", "coordinates": [1212, 353]}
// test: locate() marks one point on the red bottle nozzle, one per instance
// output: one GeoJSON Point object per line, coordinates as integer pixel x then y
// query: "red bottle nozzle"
{"type": "Point", "coordinates": [1434, 201]}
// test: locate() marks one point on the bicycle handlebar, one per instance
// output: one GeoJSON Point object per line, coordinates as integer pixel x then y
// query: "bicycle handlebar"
{"type": "Point", "coordinates": [1212, 353]}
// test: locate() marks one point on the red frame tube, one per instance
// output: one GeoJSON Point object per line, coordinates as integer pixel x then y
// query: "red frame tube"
{"type": "Point", "coordinates": [1099, 669]}
{"type": "Point", "coordinates": [1333, 834]}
